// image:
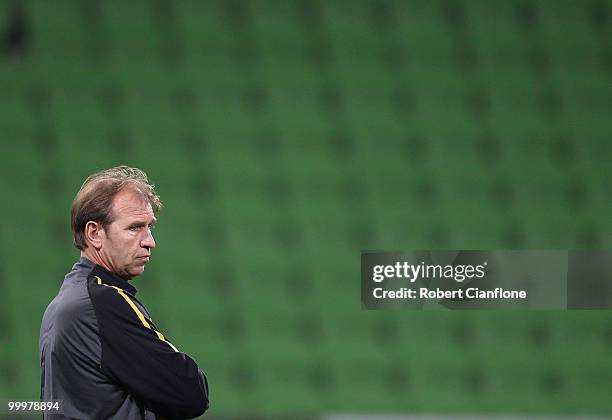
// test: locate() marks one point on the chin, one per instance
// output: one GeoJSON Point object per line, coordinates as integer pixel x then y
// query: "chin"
{"type": "Point", "coordinates": [136, 272]}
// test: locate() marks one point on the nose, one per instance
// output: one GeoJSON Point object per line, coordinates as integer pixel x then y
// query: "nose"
{"type": "Point", "coordinates": [148, 241]}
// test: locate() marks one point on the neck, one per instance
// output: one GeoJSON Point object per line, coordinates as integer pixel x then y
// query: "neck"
{"type": "Point", "coordinates": [94, 256]}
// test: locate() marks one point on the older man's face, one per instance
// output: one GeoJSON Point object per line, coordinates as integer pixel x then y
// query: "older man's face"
{"type": "Point", "coordinates": [127, 242]}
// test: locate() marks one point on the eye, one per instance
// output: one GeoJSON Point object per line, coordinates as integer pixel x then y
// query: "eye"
{"type": "Point", "coordinates": [134, 228]}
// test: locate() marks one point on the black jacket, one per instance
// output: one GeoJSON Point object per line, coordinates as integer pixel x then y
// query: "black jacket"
{"type": "Point", "coordinates": [101, 353]}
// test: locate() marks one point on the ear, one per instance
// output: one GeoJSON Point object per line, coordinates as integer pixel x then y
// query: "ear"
{"type": "Point", "coordinates": [94, 233]}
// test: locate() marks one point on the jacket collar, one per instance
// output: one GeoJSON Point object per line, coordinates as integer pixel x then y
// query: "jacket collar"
{"type": "Point", "coordinates": [107, 277]}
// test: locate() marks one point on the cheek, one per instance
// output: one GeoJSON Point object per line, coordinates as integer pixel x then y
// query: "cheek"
{"type": "Point", "coordinates": [125, 247]}
{"type": "Point", "coordinates": [134, 246]}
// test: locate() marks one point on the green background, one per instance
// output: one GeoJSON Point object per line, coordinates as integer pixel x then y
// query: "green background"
{"type": "Point", "coordinates": [285, 137]}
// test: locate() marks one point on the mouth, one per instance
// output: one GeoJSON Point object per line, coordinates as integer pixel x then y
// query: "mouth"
{"type": "Point", "coordinates": [144, 258]}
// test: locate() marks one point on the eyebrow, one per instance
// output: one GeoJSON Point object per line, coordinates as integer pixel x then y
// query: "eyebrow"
{"type": "Point", "coordinates": [140, 223]}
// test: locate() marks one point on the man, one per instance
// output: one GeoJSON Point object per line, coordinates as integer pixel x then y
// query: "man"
{"type": "Point", "coordinates": [100, 351]}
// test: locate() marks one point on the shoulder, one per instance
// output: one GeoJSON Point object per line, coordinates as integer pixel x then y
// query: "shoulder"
{"type": "Point", "coordinates": [115, 305]}
{"type": "Point", "coordinates": [72, 305]}
{"type": "Point", "coordinates": [105, 297]}
{"type": "Point", "coordinates": [70, 322]}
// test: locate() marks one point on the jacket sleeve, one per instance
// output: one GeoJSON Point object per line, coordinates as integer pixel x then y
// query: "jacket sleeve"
{"type": "Point", "coordinates": [142, 360]}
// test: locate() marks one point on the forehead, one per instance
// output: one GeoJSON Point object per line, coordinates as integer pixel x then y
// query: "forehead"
{"type": "Point", "coordinates": [128, 204]}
